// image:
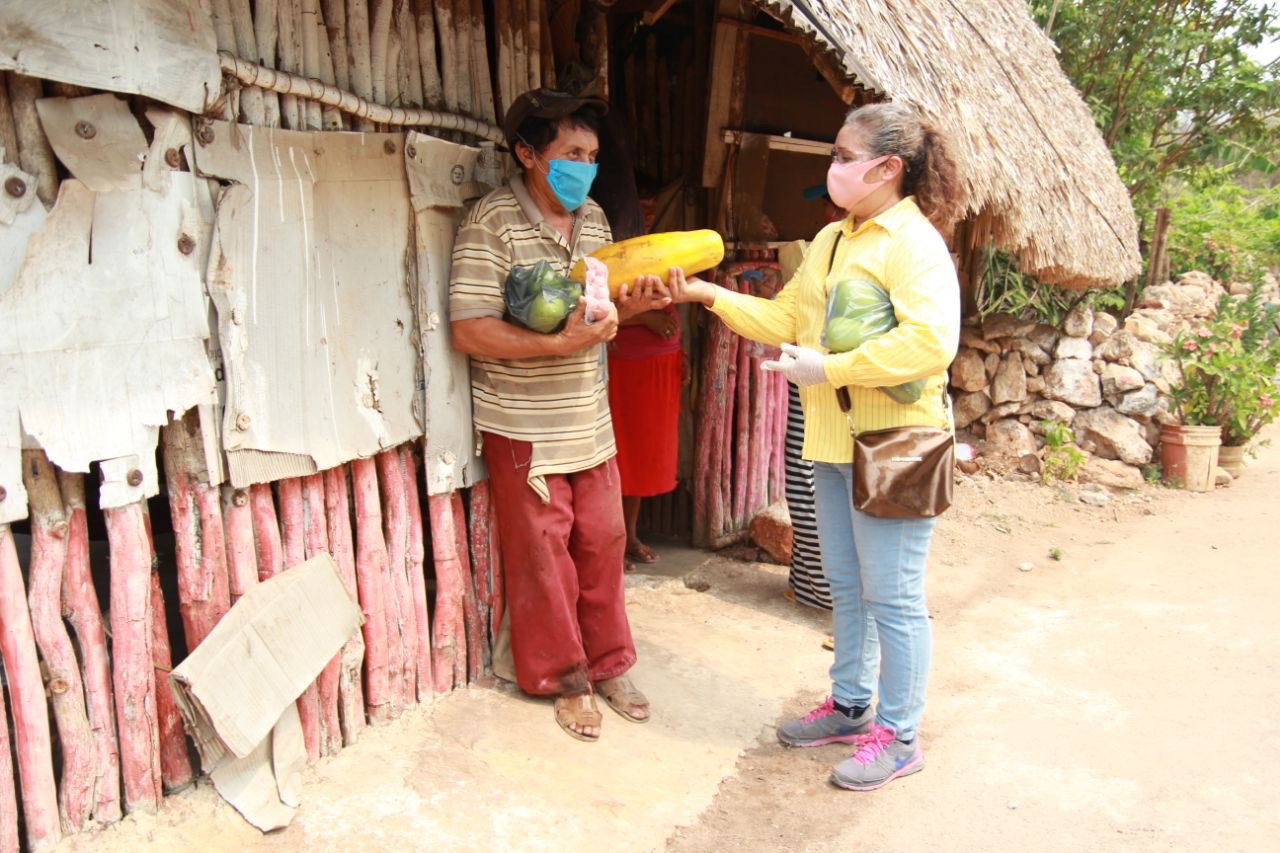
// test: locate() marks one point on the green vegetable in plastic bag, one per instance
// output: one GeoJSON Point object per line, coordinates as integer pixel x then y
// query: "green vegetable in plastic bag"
{"type": "Point", "coordinates": [539, 298]}
{"type": "Point", "coordinates": [858, 311]}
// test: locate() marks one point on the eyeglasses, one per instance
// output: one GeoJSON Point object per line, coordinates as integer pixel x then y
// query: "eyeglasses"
{"type": "Point", "coordinates": [842, 160]}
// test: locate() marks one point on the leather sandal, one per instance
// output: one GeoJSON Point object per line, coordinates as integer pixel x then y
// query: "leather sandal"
{"type": "Point", "coordinates": [622, 696]}
{"type": "Point", "coordinates": [579, 709]}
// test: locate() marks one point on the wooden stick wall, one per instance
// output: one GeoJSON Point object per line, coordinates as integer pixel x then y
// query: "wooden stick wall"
{"type": "Point", "coordinates": [95, 731]}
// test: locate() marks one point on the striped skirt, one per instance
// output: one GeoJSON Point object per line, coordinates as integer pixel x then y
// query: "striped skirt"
{"type": "Point", "coordinates": [806, 578]}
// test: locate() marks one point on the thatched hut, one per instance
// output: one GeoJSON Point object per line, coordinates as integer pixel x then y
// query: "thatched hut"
{"type": "Point", "coordinates": [224, 238]}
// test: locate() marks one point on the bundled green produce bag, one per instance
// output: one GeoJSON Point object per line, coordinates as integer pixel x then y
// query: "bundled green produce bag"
{"type": "Point", "coordinates": [539, 298]}
{"type": "Point", "coordinates": [858, 311]}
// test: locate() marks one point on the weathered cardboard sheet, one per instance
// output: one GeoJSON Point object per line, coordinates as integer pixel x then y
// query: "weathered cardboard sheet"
{"type": "Point", "coordinates": [236, 690]}
{"type": "Point", "coordinates": [96, 138]}
{"type": "Point", "coordinates": [442, 175]}
{"type": "Point", "coordinates": [310, 271]}
{"type": "Point", "coordinates": [104, 325]}
{"type": "Point", "coordinates": [164, 49]}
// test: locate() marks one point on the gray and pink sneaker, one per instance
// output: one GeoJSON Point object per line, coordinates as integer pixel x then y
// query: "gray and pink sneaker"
{"type": "Point", "coordinates": [878, 758]}
{"type": "Point", "coordinates": [823, 725]}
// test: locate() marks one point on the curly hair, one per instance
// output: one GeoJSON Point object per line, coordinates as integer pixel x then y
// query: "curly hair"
{"type": "Point", "coordinates": [929, 173]}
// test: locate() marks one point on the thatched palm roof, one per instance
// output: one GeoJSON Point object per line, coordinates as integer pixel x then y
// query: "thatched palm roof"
{"type": "Point", "coordinates": [1023, 140]}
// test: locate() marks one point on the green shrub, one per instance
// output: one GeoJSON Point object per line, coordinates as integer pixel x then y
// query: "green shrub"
{"type": "Point", "coordinates": [1062, 459]}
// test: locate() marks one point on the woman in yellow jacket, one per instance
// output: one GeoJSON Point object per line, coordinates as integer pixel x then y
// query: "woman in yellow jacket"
{"type": "Point", "coordinates": [890, 172]}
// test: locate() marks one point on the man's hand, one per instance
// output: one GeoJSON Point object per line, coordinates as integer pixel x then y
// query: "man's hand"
{"type": "Point", "coordinates": [646, 293]}
{"type": "Point", "coordinates": [684, 289]}
{"type": "Point", "coordinates": [800, 365]}
{"type": "Point", "coordinates": [578, 335]}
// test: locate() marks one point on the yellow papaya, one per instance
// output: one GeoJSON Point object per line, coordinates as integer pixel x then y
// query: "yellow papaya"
{"type": "Point", "coordinates": [654, 254]}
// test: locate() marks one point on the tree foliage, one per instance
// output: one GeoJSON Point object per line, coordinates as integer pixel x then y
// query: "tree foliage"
{"type": "Point", "coordinates": [1170, 82]}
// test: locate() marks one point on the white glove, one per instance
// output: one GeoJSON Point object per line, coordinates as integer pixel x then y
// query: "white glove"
{"type": "Point", "coordinates": [800, 365]}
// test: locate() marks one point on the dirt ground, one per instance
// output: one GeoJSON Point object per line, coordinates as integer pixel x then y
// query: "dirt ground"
{"type": "Point", "coordinates": [1122, 697]}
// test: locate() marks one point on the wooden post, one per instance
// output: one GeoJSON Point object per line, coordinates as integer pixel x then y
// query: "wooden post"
{"type": "Point", "coordinates": [359, 61]}
{"type": "Point", "coordinates": [333, 119]}
{"type": "Point", "coordinates": [432, 94]}
{"type": "Point", "coordinates": [403, 627]}
{"type": "Point", "coordinates": [316, 539]}
{"type": "Point", "coordinates": [35, 157]}
{"type": "Point", "coordinates": [371, 574]}
{"type": "Point", "coordinates": [199, 546]}
{"type": "Point", "coordinates": [452, 54]}
{"type": "Point", "coordinates": [410, 66]}
{"type": "Point", "coordinates": [252, 103]}
{"type": "Point", "coordinates": [417, 574]}
{"type": "Point", "coordinates": [8, 791]}
{"type": "Point", "coordinates": [175, 765]}
{"type": "Point", "coordinates": [294, 541]}
{"type": "Point", "coordinates": [335, 22]}
{"type": "Point", "coordinates": [266, 28]}
{"type": "Point", "coordinates": [379, 38]}
{"type": "Point", "coordinates": [266, 531]}
{"type": "Point", "coordinates": [132, 668]}
{"type": "Point", "coordinates": [307, 20]}
{"type": "Point", "coordinates": [80, 607]}
{"type": "Point", "coordinates": [482, 551]}
{"type": "Point", "coordinates": [242, 561]}
{"type": "Point", "coordinates": [477, 636]}
{"type": "Point", "coordinates": [449, 655]}
{"type": "Point", "coordinates": [337, 510]}
{"type": "Point", "coordinates": [502, 38]}
{"type": "Point", "coordinates": [481, 81]}
{"type": "Point", "coordinates": [32, 742]}
{"type": "Point", "coordinates": [61, 670]}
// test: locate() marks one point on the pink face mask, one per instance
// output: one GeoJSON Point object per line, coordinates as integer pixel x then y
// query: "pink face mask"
{"type": "Point", "coordinates": [846, 184]}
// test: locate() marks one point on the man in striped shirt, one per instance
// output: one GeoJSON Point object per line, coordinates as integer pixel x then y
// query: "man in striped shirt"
{"type": "Point", "coordinates": [541, 406]}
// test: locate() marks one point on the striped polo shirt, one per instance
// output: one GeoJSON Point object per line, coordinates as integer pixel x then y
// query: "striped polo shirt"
{"type": "Point", "coordinates": [559, 404]}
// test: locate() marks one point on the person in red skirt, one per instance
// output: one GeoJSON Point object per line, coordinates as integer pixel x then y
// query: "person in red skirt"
{"type": "Point", "coordinates": [646, 368]}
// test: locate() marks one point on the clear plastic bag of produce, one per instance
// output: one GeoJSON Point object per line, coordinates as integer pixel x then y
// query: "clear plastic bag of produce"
{"type": "Point", "coordinates": [539, 298]}
{"type": "Point", "coordinates": [858, 311]}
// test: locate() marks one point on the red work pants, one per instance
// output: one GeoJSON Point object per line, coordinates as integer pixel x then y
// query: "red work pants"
{"type": "Point", "coordinates": [562, 564]}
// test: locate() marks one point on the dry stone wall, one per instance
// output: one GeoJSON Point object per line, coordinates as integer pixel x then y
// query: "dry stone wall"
{"type": "Point", "coordinates": [1109, 382]}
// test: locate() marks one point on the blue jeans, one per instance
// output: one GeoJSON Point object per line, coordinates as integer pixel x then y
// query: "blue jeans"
{"type": "Point", "coordinates": [876, 570]}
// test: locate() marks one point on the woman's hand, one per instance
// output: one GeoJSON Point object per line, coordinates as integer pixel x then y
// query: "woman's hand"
{"type": "Point", "coordinates": [646, 293]}
{"type": "Point", "coordinates": [578, 334]}
{"type": "Point", "coordinates": [684, 289]}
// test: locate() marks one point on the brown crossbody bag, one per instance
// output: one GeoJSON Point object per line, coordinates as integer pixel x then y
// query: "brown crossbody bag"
{"type": "Point", "coordinates": [901, 472]}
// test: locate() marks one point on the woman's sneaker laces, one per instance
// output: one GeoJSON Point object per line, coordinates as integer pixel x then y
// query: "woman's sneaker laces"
{"type": "Point", "coordinates": [878, 758]}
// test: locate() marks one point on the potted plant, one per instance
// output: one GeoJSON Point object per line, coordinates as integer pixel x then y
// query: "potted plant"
{"type": "Point", "coordinates": [1229, 368]}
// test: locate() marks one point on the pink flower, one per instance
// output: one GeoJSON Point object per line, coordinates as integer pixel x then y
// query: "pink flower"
{"type": "Point", "coordinates": [1190, 346]}
{"type": "Point", "coordinates": [1204, 332]}
{"type": "Point", "coordinates": [1266, 401]}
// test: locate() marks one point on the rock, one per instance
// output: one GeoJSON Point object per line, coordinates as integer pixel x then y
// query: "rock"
{"type": "Point", "coordinates": [1095, 498]}
{"type": "Point", "coordinates": [1116, 436]}
{"type": "Point", "coordinates": [1010, 382]}
{"type": "Point", "coordinates": [1073, 381]}
{"type": "Point", "coordinates": [1111, 473]}
{"type": "Point", "coordinates": [1024, 567]}
{"type": "Point", "coordinates": [1029, 463]}
{"type": "Point", "coordinates": [1032, 350]}
{"type": "Point", "coordinates": [1098, 366]}
{"type": "Point", "coordinates": [1146, 328]}
{"type": "Point", "coordinates": [968, 372]}
{"type": "Point", "coordinates": [1029, 367]}
{"type": "Point", "coordinates": [1181, 300]}
{"type": "Point", "coordinates": [1011, 438]}
{"type": "Point", "coordinates": [1035, 384]}
{"type": "Point", "coordinates": [1003, 410]}
{"type": "Point", "coordinates": [1118, 348]}
{"type": "Point", "coordinates": [969, 407]}
{"type": "Point", "coordinates": [970, 338]}
{"type": "Point", "coordinates": [991, 363]}
{"type": "Point", "coordinates": [1104, 326]}
{"type": "Point", "coordinates": [1005, 326]}
{"type": "Point", "coordinates": [1141, 403]}
{"type": "Point", "coordinates": [1043, 336]}
{"type": "Point", "coordinates": [1052, 410]}
{"type": "Point", "coordinates": [771, 531]}
{"type": "Point", "coordinates": [1079, 321]}
{"type": "Point", "coordinates": [1222, 477]}
{"type": "Point", "coordinates": [1155, 366]}
{"type": "Point", "coordinates": [1199, 279]}
{"type": "Point", "coordinates": [1239, 288]}
{"type": "Point", "coordinates": [1118, 379]}
{"type": "Point", "coordinates": [1069, 347]}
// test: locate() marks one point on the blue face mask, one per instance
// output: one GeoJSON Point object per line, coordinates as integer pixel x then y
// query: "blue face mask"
{"type": "Point", "coordinates": [570, 180]}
